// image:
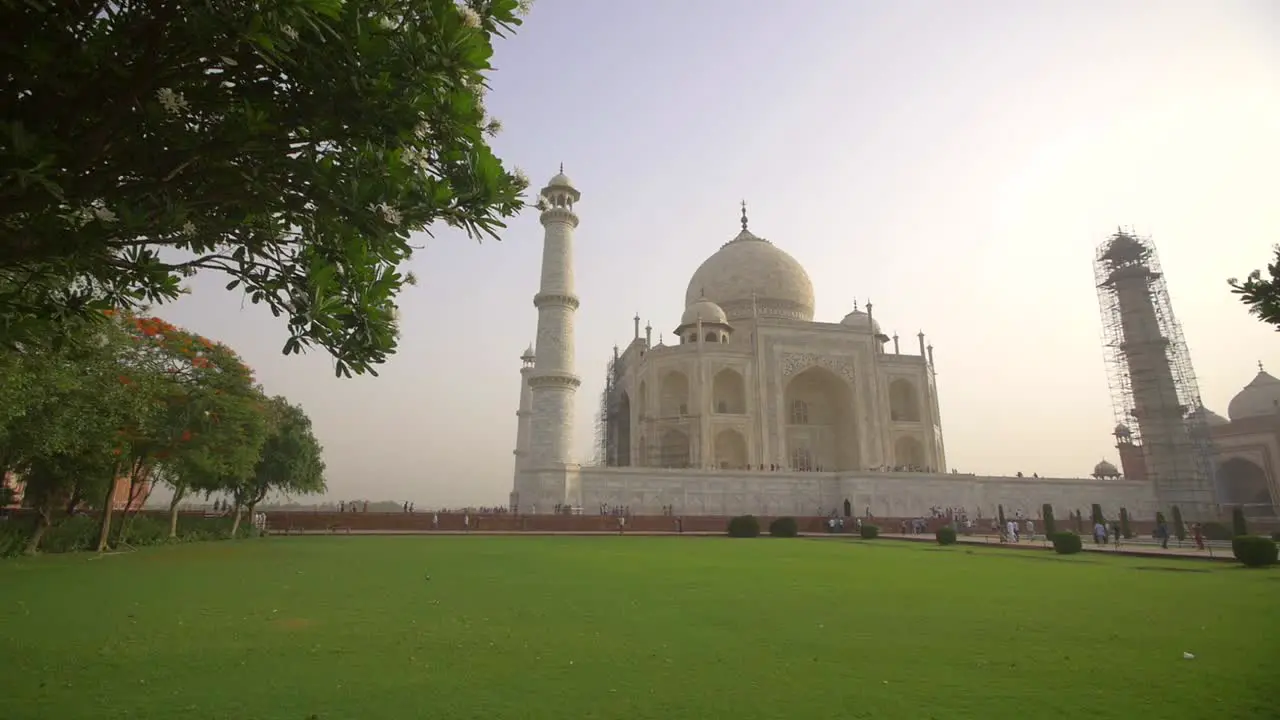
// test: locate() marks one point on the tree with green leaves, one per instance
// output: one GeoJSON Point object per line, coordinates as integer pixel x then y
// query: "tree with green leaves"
{"type": "Point", "coordinates": [1239, 526]}
{"type": "Point", "coordinates": [1179, 527]}
{"type": "Point", "coordinates": [290, 463]}
{"type": "Point", "coordinates": [1097, 516]}
{"type": "Point", "coordinates": [64, 441]}
{"type": "Point", "coordinates": [293, 146]}
{"type": "Point", "coordinates": [1125, 532]}
{"type": "Point", "coordinates": [1262, 295]}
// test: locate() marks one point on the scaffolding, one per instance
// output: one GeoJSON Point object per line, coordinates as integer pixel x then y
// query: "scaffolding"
{"type": "Point", "coordinates": [1153, 385]}
{"type": "Point", "coordinates": [613, 432]}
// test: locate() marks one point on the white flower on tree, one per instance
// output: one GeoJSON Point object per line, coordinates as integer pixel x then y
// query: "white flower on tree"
{"type": "Point", "coordinates": [422, 130]}
{"type": "Point", "coordinates": [172, 102]}
{"type": "Point", "coordinates": [388, 214]}
{"type": "Point", "coordinates": [520, 177]}
{"type": "Point", "coordinates": [523, 7]}
{"type": "Point", "coordinates": [470, 17]}
{"type": "Point", "coordinates": [417, 158]}
{"type": "Point", "coordinates": [289, 32]}
{"type": "Point", "coordinates": [188, 228]}
{"type": "Point", "coordinates": [101, 213]}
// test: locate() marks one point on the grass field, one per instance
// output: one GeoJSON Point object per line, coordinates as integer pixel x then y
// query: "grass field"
{"type": "Point", "coordinates": [606, 627]}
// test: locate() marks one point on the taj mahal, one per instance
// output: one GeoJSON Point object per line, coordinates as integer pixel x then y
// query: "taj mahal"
{"type": "Point", "coordinates": [754, 406]}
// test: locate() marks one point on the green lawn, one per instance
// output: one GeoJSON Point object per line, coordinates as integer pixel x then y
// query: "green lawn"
{"type": "Point", "coordinates": [606, 627]}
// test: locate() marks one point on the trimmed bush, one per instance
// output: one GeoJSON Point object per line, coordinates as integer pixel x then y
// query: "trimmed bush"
{"type": "Point", "coordinates": [1179, 527]}
{"type": "Point", "coordinates": [1050, 525]}
{"type": "Point", "coordinates": [744, 526]}
{"type": "Point", "coordinates": [80, 533]}
{"type": "Point", "coordinates": [1066, 543]}
{"type": "Point", "coordinates": [946, 535]}
{"type": "Point", "coordinates": [869, 532]}
{"type": "Point", "coordinates": [784, 527]}
{"type": "Point", "coordinates": [1276, 536]}
{"type": "Point", "coordinates": [1216, 531]}
{"type": "Point", "coordinates": [1000, 514]}
{"type": "Point", "coordinates": [1255, 550]}
{"type": "Point", "coordinates": [1159, 518]}
{"type": "Point", "coordinates": [1079, 521]}
{"type": "Point", "coordinates": [1238, 524]}
{"type": "Point", "coordinates": [1097, 515]}
{"type": "Point", "coordinates": [1124, 525]}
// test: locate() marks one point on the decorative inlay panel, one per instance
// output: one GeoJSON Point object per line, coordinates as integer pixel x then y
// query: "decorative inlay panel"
{"type": "Point", "coordinates": [793, 363]}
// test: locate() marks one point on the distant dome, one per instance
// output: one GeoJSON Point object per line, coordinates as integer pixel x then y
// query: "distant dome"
{"type": "Point", "coordinates": [1259, 398]}
{"type": "Point", "coordinates": [858, 320]}
{"type": "Point", "coordinates": [1122, 430]}
{"type": "Point", "coordinates": [704, 310]}
{"type": "Point", "coordinates": [749, 272]}
{"type": "Point", "coordinates": [1209, 417]}
{"type": "Point", "coordinates": [1105, 469]}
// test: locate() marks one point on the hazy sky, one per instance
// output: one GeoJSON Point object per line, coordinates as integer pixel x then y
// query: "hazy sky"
{"type": "Point", "coordinates": [956, 162]}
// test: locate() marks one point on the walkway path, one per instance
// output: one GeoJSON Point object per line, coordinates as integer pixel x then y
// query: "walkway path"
{"type": "Point", "coordinates": [1135, 547]}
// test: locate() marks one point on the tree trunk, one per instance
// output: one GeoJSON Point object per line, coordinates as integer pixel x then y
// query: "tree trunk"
{"type": "Point", "coordinates": [42, 524]}
{"type": "Point", "coordinates": [253, 527]}
{"type": "Point", "coordinates": [104, 528]}
{"type": "Point", "coordinates": [235, 524]}
{"type": "Point", "coordinates": [74, 501]}
{"type": "Point", "coordinates": [173, 511]}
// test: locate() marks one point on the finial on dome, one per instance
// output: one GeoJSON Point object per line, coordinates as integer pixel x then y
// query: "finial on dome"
{"type": "Point", "coordinates": [1260, 369]}
{"type": "Point", "coordinates": [855, 305]}
{"type": "Point", "coordinates": [744, 215]}
{"type": "Point", "coordinates": [561, 168]}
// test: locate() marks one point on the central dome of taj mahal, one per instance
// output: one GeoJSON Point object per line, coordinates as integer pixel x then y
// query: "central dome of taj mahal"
{"type": "Point", "coordinates": [749, 275]}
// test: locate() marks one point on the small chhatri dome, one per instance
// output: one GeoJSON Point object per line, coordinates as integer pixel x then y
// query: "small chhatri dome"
{"type": "Point", "coordinates": [560, 179]}
{"type": "Point", "coordinates": [1259, 398]}
{"type": "Point", "coordinates": [1122, 430]}
{"type": "Point", "coordinates": [1105, 469]}
{"type": "Point", "coordinates": [859, 320]}
{"type": "Point", "coordinates": [528, 353]}
{"type": "Point", "coordinates": [706, 311]}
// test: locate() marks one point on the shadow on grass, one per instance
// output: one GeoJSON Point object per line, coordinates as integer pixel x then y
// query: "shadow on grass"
{"type": "Point", "coordinates": [1157, 568]}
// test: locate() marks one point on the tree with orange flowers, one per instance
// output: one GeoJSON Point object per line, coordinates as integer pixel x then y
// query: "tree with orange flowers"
{"type": "Point", "coordinates": [200, 419]}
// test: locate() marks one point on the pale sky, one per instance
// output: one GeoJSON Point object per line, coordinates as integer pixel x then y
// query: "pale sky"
{"type": "Point", "coordinates": [955, 162]}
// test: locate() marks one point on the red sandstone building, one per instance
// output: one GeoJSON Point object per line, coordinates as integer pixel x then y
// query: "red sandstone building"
{"type": "Point", "coordinates": [119, 498]}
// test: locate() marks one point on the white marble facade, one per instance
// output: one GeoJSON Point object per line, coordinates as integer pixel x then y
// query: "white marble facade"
{"type": "Point", "coordinates": [753, 406]}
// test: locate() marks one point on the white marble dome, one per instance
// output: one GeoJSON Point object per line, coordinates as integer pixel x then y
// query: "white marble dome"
{"type": "Point", "coordinates": [1259, 398]}
{"type": "Point", "coordinates": [859, 320]}
{"type": "Point", "coordinates": [749, 266]}
{"type": "Point", "coordinates": [704, 310]}
{"type": "Point", "coordinates": [560, 180]}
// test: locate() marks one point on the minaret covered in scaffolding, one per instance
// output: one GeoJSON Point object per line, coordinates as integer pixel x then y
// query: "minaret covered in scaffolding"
{"type": "Point", "coordinates": [1153, 385]}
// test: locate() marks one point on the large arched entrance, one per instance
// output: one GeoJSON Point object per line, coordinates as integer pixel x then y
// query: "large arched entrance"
{"type": "Point", "coordinates": [819, 422]}
{"type": "Point", "coordinates": [622, 430]}
{"type": "Point", "coordinates": [731, 450]}
{"type": "Point", "coordinates": [1241, 482]}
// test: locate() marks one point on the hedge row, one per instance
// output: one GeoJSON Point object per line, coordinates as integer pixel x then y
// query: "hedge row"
{"type": "Point", "coordinates": [80, 533]}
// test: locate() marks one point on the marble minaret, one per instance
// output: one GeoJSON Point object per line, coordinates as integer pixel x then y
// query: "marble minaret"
{"type": "Point", "coordinates": [552, 383]}
{"type": "Point", "coordinates": [522, 423]}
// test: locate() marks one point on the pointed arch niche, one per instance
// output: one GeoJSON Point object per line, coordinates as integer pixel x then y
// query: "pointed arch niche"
{"type": "Point", "coordinates": [904, 401]}
{"type": "Point", "coordinates": [819, 419]}
{"type": "Point", "coordinates": [673, 450]}
{"type": "Point", "coordinates": [622, 441]}
{"type": "Point", "coordinates": [908, 452]}
{"type": "Point", "coordinates": [731, 450]}
{"type": "Point", "coordinates": [673, 391]}
{"type": "Point", "coordinates": [1243, 482]}
{"type": "Point", "coordinates": [729, 393]}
